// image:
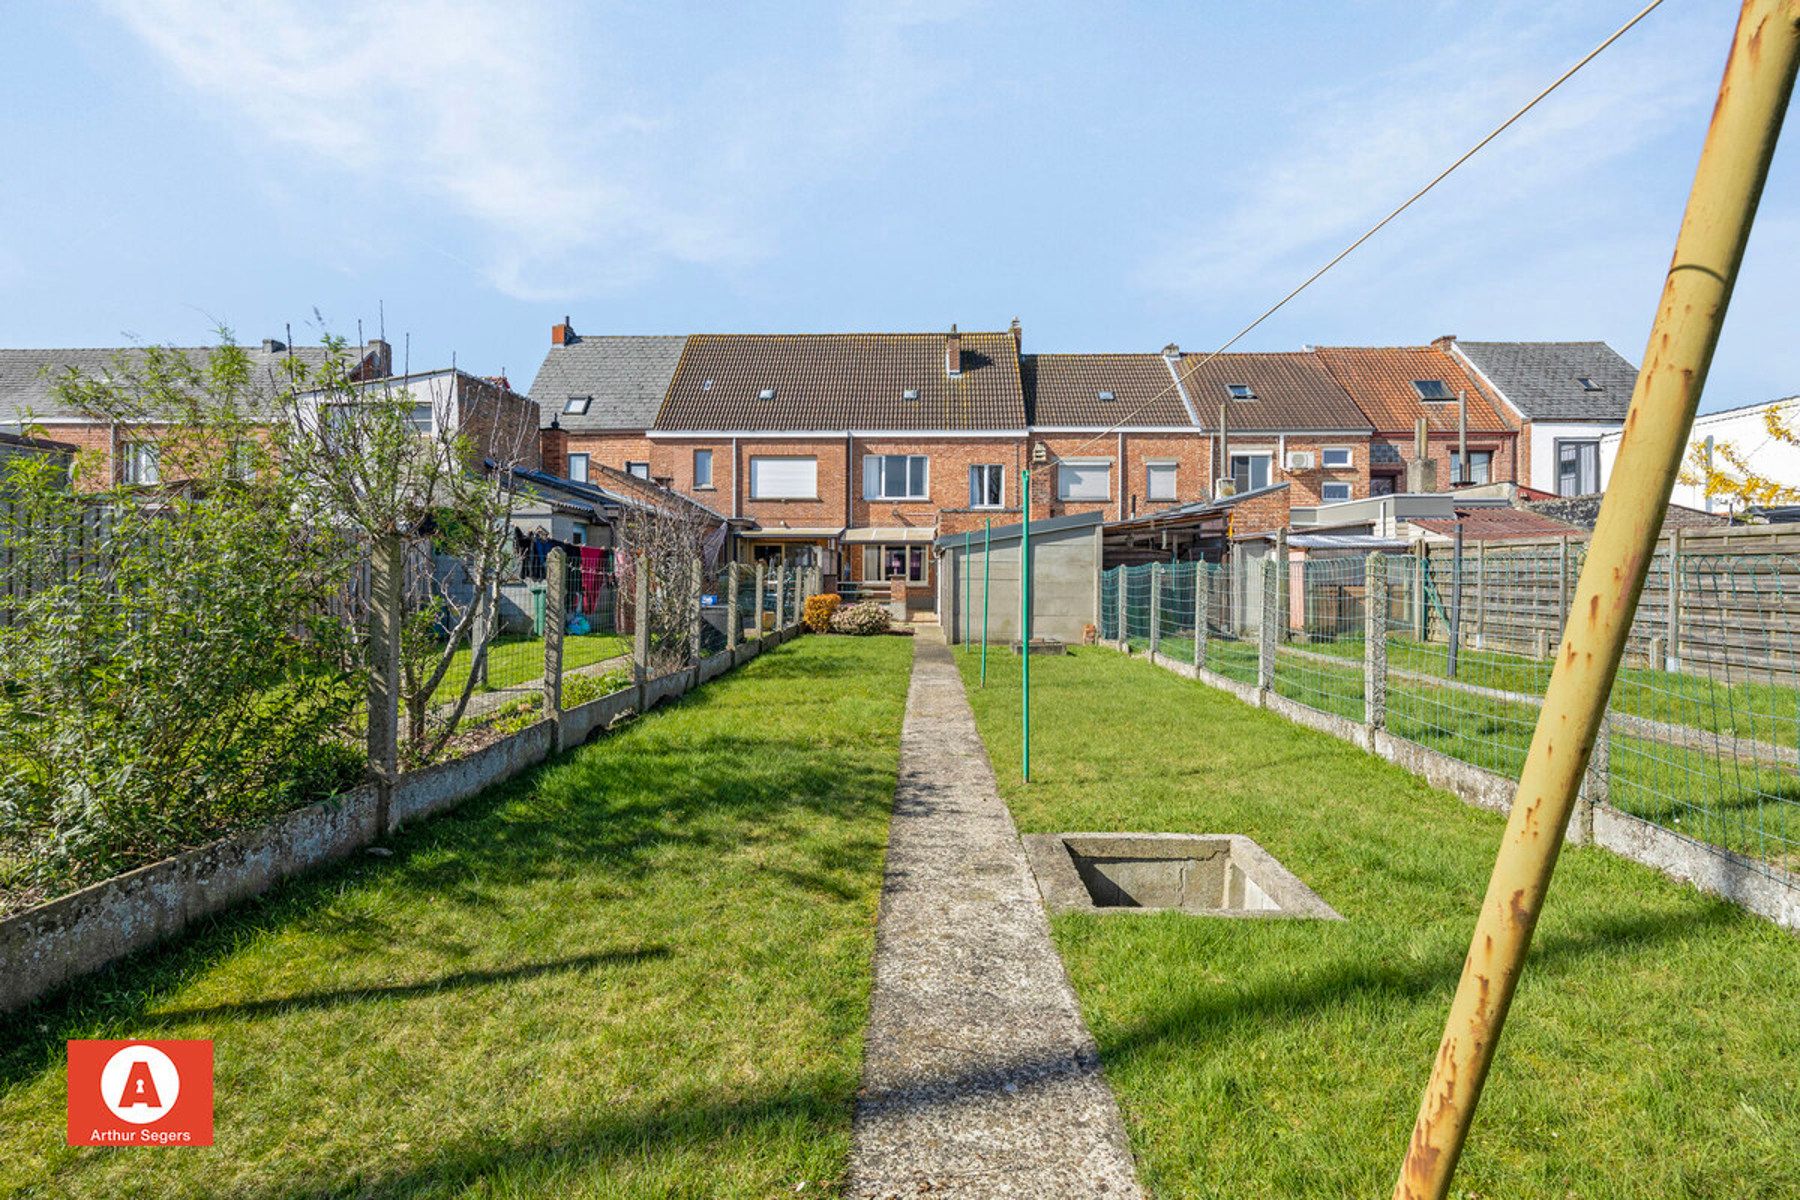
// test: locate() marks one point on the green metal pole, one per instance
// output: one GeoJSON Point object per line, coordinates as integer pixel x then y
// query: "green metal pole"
{"type": "Point", "coordinates": [968, 583]}
{"type": "Point", "coordinates": [1025, 621]}
{"type": "Point", "coordinates": [987, 556]}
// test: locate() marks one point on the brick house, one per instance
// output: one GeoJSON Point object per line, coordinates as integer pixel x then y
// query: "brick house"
{"type": "Point", "coordinates": [1396, 387]}
{"type": "Point", "coordinates": [110, 452]}
{"type": "Point", "coordinates": [1566, 398]}
{"type": "Point", "coordinates": [849, 451]}
{"type": "Point", "coordinates": [1282, 418]}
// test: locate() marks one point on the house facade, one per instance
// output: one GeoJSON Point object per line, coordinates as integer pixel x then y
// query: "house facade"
{"type": "Point", "coordinates": [109, 452]}
{"type": "Point", "coordinates": [1749, 435]}
{"type": "Point", "coordinates": [1566, 398]}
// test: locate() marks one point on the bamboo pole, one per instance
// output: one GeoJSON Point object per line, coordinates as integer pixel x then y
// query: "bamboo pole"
{"type": "Point", "coordinates": [1753, 97]}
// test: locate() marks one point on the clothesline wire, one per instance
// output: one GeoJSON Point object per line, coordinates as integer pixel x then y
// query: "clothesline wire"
{"type": "Point", "coordinates": [1341, 255]}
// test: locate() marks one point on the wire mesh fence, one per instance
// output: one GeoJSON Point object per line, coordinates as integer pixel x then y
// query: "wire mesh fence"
{"type": "Point", "coordinates": [1703, 727]}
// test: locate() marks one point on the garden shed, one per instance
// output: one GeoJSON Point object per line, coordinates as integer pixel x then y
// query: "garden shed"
{"type": "Point", "coordinates": [982, 568]}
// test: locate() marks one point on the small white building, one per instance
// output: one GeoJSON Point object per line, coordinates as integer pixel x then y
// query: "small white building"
{"type": "Point", "coordinates": [1746, 429]}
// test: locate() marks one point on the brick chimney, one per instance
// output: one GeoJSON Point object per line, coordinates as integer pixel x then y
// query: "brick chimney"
{"type": "Point", "coordinates": [563, 334]}
{"type": "Point", "coordinates": [1172, 352]}
{"type": "Point", "coordinates": [1444, 342]}
{"type": "Point", "coordinates": [1018, 332]}
{"type": "Point", "coordinates": [378, 360]}
{"type": "Point", "coordinates": [953, 353]}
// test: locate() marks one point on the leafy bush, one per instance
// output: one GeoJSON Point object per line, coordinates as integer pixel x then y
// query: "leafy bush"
{"type": "Point", "coordinates": [816, 613]}
{"type": "Point", "coordinates": [170, 668]}
{"type": "Point", "coordinates": [870, 616]}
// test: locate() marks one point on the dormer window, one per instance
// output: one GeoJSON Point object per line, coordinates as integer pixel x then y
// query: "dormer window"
{"type": "Point", "coordinates": [1105, 396]}
{"type": "Point", "coordinates": [577, 405]}
{"type": "Point", "coordinates": [909, 394]}
{"type": "Point", "coordinates": [1240, 391]}
{"type": "Point", "coordinates": [1588, 385]}
{"type": "Point", "coordinates": [1432, 389]}
{"type": "Point", "coordinates": [766, 394]}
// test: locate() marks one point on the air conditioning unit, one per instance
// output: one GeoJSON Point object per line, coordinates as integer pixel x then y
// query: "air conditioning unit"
{"type": "Point", "coordinates": [1300, 460]}
{"type": "Point", "coordinates": [1226, 486]}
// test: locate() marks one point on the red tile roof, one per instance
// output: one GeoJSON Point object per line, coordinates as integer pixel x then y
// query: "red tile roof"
{"type": "Point", "coordinates": [1380, 381]}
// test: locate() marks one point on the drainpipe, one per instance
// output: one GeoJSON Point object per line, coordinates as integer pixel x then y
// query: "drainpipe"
{"type": "Point", "coordinates": [1462, 435]}
{"type": "Point", "coordinates": [737, 504]}
{"type": "Point", "coordinates": [1734, 163]}
{"type": "Point", "coordinates": [1124, 475]}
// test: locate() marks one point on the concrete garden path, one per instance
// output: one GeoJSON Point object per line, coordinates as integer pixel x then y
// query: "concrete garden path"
{"type": "Point", "coordinates": [979, 1077]}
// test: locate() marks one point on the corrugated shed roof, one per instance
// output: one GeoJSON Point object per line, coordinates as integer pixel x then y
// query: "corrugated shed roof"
{"type": "Point", "coordinates": [1067, 389]}
{"type": "Point", "coordinates": [1543, 379]}
{"type": "Point", "coordinates": [627, 378]}
{"type": "Point", "coordinates": [1498, 524]}
{"type": "Point", "coordinates": [1292, 391]}
{"type": "Point", "coordinates": [835, 381]}
{"type": "Point", "coordinates": [1380, 380]}
{"type": "Point", "coordinates": [29, 378]}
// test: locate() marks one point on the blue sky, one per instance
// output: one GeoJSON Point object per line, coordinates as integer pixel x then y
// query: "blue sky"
{"type": "Point", "coordinates": [1117, 175]}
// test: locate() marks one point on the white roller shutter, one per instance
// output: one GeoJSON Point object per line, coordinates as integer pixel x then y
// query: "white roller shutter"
{"type": "Point", "coordinates": [1083, 481]}
{"type": "Point", "coordinates": [784, 478]}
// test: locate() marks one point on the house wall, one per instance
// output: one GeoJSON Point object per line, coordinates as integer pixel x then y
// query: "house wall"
{"type": "Point", "coordinates": [1442, 448]}
{"type": "Point", "coordinates": [608, 448]}
{"type": "Point", "coordinates": [1129, 493]}
{"type": "Point", "coordinates": [1537, 450]}
{"type": "Point", "coordinates": [1744, 428]}
{"type": "Point", "coordinates": [1306, 486]}
{"type": "Point", "coordinates": [500, 424]}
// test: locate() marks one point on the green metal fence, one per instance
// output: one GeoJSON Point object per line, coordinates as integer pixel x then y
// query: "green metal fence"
{"type": "Point", "coordinates": [1702, 736]}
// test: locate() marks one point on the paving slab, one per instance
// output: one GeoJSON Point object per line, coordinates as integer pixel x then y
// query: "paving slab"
{"type": "Point", "coordinates": [980, 1078]}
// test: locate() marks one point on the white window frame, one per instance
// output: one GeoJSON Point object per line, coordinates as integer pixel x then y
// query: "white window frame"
{"type": "Point", "coordinates": [141, 463]}
{"type": "Point", "coordinates": [582, 475]}
{"type": "Point", "coordinates": [914, 554]}
{"type": "Point", "coordinates": [1063, 490]}
{"type": "Point", "coordinates": [975, 495]}
{"type": "Point", "coordinates": [1325, 453]}
{"type": "Point", "coordinates": [757, 484]}
{"type": "Point", "coordinates": [1326, 488]}
{"type": "Point", "coordinates": [876, 481]}
{"type": "Point", "coordinates": [641, 470]}
{"type": "Point", "coordinates": [1557, 463]}
{"type": "Point", "coordinates": [703, 455]}
{"type": "Point", "coordinates": [1154, 465]}
{"type": "Point", "coordinates": [1268, 462]}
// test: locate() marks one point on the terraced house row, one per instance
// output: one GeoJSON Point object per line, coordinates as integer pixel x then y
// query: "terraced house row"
{"type": "Point", "coordinates": [853, 451]}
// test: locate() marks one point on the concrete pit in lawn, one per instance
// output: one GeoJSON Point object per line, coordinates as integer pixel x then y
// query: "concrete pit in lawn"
{"type": "Point", "coordinates": [1201, 874]}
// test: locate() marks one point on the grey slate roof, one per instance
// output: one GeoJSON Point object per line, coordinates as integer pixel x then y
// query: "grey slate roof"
{"type": "Point", "coordinates": [626, 376]}
{"type": "Point", "coordinates": [1540, 378]}
{"type": "Point", "coordinates": [28, 378]}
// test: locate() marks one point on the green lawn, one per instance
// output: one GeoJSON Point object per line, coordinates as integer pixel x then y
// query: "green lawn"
{"type": "Point", "coordinates": [1650, 1052]}
{"type": "Point", "coordinates": [642, 970]}
{"type": "Point", "coordinates": [515, 659]}
{"type": "Point", "coordinates": [1748, 805]}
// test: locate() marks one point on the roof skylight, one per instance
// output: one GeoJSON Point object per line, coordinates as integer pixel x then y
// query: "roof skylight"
{"type": "Point", "coordinates": [766, 394]}
{"type": "Point", "coordinates": [1240, 391]}
{"type": "Point", "coordinates": [909, 394]}
{"type": "Point", "coordinates": [576, 405]}
{"type": "Point", "coordinates": [1432, 389]}
{"type": "Point", "coordinates": [1588, 385]}
{"type": "Point", "coordinates": [1105, 396]}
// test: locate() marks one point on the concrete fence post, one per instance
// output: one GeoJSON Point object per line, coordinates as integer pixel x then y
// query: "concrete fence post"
{"type": "Point", "coordinates": [1202, 602]}
{"type": "Point", "coordinates": [556, 600]}
{"type": "Point", "coordinates": [1156, 574]}
{"type": "Point", "coordinates": [1596, 785]}
{"type": "Point", "coordinates": [1421, 563]}
{"type": "Point", "coordinates": [482, 632]}
{"type": "Point", "coordinates": [1375, 642]}
{"type": "Point", "coordinates": [640, 642]}
{"type": "Point", "coordinates": [781, 575]}
{"type": "Point", "coordinates": [387, 612]}
{"type": "Point", "coordinates": [697, 617]}
{"type": "Point", "coordinates": [1267, 636]}
{"type": "Point", "coordinates": [1672, 659]}
{"type": "Point", "coordinates": [762, 591]}
{"type": "Point", "coordinates": [734, 620]}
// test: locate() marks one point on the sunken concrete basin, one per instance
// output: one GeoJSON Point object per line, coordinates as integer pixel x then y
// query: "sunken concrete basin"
{"type": "Point", "coordinates": [1203, 874]}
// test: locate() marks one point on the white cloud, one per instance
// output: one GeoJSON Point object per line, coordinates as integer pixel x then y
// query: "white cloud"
{"type": "Point", "coordinates": [569, 181]}
{"type": "Point", "coordinates": [1363, 147]}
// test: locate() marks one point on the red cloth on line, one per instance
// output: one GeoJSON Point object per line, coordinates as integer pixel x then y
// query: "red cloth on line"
{"type": "Point", "coordinates": [593, 574]}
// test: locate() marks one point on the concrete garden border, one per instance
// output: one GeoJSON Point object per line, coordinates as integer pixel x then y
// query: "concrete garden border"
{"type": "Point", "coordinates": [1762, 890]}
{"type": "Point", "coordinates": [52, 944]}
